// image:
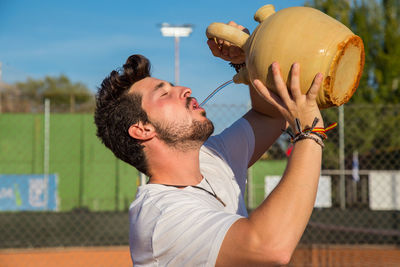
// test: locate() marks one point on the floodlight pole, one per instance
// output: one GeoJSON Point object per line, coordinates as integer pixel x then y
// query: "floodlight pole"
{"type": "Point", "coordinates": [176, 60]}
{"type": "Point", "coordinates": [176, 31]}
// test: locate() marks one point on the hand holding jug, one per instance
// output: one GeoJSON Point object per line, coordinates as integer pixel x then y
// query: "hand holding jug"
{"type": "Point", "coordinates": [304, 35]}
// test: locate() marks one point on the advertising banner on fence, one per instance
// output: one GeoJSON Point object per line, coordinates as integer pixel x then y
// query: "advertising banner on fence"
{"type": "Point", "coordinates": [384, 190]}
{"type": "Point", "coordinates": [324, 195]}
{"type": "Point", "coordinates": [30, 192]}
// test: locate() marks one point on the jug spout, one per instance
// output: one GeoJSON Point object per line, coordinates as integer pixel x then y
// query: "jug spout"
{"type": "Point", "coordinates": [242, 76]}
{"type": "Point", "coordinates": [263, 13]}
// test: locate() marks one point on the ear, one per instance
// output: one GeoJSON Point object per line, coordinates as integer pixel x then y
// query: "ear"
{"type": "Point", "coordinates": [142, 131]}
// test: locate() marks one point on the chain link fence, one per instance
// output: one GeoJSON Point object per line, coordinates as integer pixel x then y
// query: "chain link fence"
{"type": "Point", "coordinates": [61, 187]}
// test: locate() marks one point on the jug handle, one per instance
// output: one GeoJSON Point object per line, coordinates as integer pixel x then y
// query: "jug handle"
{"type": "Point", "coordinates": [227, 33]}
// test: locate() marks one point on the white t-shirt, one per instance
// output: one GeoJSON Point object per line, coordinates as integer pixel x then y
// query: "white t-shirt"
{"type": "Point", "coordinates": [186, 227]}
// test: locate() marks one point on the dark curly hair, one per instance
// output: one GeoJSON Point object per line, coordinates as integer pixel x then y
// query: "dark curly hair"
{"type": "Point", "coordinates": [117, 109]}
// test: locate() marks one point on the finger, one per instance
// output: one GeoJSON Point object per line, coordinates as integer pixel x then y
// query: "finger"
{"type": "Point", "coordinates": [214, 47]}
{"type": "Point", "coordinates": [238, 51]}
{"type": "Point", "coordinates": [240, 27]}
{"type": "Point", "coordinates": [232, 23]}
{"type": "Point", "coordinates": [212, 43]}
{"type": "Point", "coordinates": [268, 95]}
{"type": "Point", "coordinates": [279, 83]}
{"type": "Point", "coordinates": [236, 54]}
{"type": "Point", "coordinates": [233, 51]}
{"type": "Point", "coordinates": [225, 48]}
{"type": "Point", "coordinates": [295, 80]}
{"type": "Point", "coordinates": [316, 84]}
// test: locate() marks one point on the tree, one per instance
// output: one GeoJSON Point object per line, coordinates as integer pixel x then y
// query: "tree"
{"type": "Point", "coordinates": [63, 94]}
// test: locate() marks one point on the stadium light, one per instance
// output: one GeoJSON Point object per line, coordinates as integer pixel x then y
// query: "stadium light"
{"type": "Point", "coordinates": [176, 31]}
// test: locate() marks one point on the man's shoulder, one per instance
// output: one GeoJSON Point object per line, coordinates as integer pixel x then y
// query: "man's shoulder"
{"type": "Point", "coordinates": [152, 203]}
{"type": "Point", "coordinates": [150, 195]}
{"type": "Point", "coordinates": [157, 198]}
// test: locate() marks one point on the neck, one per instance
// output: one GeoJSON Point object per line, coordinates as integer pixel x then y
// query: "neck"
{"type": "Point", "coordinates": [174, 166]}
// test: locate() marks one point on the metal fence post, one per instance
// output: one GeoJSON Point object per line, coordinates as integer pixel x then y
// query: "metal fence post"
{"type": "Point", "coordinates": [82, 164]}
{"type": "Point", "coordinates": [46, 152]}
{"type": "Point", "coordinates": [342, 184]}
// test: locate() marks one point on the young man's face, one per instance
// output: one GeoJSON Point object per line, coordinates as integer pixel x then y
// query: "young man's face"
{"type": "Point", "coordinates": [171, 109]}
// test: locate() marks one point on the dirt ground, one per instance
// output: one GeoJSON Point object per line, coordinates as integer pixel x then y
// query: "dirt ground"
{"type": "Point", "coordinates": [66, 257]}
{"type": "Point", "coordinates": [310, 256]}
{"type": "Point", "coordinates": [346, 256]}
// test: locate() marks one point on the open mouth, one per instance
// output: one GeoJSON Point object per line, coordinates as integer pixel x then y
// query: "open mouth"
{"type": "Point", "coordinates": [193, 104]}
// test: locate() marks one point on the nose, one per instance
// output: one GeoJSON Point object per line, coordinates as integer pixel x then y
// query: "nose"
{"type": "Point", "coordinates": [186, 92]}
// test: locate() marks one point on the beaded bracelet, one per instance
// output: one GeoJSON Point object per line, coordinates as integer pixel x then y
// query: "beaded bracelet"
{"type": "Point", "coordinates": [237, 67]}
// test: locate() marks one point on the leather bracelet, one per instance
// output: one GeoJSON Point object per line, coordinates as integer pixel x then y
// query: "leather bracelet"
{"type": "Point", "coordinates": [303, 136]}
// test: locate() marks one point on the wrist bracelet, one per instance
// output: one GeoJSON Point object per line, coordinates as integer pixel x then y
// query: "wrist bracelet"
{"type": "Point", "coordinates": [237, 67]}
{"type": "Point", "coordinates": [303, 136]}
{"type": "Point", "coordinates": [315, 133]}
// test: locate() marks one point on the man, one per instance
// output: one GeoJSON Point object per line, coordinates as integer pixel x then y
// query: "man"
{"type": "Point", "coordinates": [191, 212]}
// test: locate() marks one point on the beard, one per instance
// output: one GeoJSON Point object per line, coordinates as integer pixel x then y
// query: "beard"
{"type": "Point", "coordinates": [184, 136]}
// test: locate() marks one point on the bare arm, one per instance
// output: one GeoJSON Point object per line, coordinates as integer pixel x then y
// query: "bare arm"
{"type": "Point", "coordinates": [273, 230]}
{"type": "Point", "coordinates": [266, 131]}
{"type": "Point", "coordinates": [271, 233]}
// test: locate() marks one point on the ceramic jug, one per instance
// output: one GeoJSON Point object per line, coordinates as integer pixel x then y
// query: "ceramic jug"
{"type": "Point", "coordinates": [304, 35]}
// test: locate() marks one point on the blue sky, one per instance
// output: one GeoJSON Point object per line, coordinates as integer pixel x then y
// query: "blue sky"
{"type": "Point", "coordinates": [85, 40]}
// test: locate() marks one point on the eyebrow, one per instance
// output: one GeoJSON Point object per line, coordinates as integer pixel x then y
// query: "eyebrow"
{"type": "Point", "coordinates": [161, 85]}
{"type": "Point", "coordinates": [158, 86]}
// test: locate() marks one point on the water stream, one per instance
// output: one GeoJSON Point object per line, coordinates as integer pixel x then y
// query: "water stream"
{"type": "Point", "coordinates": [215, 92]}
